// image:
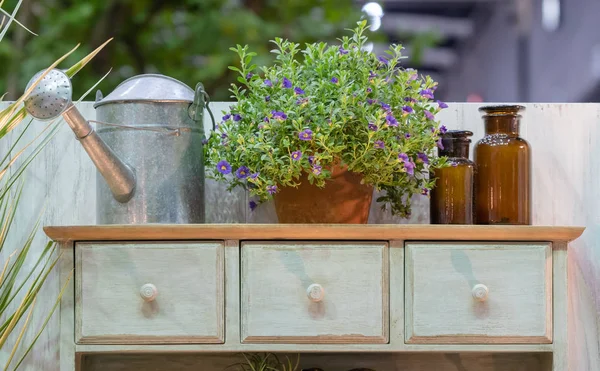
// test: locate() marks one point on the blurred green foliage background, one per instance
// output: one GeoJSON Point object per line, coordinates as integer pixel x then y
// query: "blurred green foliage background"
{"type": "Point", "coordinates": [185, 39]}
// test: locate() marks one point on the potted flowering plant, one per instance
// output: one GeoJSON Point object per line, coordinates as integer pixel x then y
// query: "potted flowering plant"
{"type": "Point", "coordinates": [318, 135]}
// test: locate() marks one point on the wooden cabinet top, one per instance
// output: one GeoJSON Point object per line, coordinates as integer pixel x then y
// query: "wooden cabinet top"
{"type": "Point", "coordinates": [312, 232]}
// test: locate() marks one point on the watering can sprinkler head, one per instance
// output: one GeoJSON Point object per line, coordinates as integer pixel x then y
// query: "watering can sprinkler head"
{"type": "Point", "coordinates": [52, 98]}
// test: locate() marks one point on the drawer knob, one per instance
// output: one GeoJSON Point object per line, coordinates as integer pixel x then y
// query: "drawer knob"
{"type": "Point", "coordinates": [480, 292]}
{"type": "Point", "coordinates": [148, 292]}
{"type": "Point", "coordinates": [315, 292]}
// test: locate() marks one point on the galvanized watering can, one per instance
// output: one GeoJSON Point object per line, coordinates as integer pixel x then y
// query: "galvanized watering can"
{"type": "Point", "coordinates": [148, 148]}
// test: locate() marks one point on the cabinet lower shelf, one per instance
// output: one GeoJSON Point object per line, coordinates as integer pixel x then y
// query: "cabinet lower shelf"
{"type": "Point", "coordinates": [325, 361]}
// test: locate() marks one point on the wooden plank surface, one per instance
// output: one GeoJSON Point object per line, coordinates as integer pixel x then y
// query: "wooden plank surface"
{"type": "Point", "coordinates": [313, 232]}
{"type": "Point", "coordinates": [398, 347]}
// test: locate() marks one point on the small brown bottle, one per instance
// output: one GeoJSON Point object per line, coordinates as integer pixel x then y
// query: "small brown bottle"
{"type": "Point", "coordinates": [452, 197]}
{"type": "Point", "coordinates": [503, 177]}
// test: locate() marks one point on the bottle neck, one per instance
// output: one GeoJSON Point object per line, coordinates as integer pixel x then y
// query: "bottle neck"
{"type": "Point", "coordinates": [508, 125]}
{"type": "Point", "coordinates": [455, 148]}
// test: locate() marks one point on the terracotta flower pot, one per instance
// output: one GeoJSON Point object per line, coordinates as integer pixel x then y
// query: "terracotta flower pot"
{"type": "Point", "coordinates": [343, 200]}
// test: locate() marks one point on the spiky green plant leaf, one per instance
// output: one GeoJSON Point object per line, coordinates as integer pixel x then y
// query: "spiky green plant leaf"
{"type": "Point", "coordinates": [22, 275]}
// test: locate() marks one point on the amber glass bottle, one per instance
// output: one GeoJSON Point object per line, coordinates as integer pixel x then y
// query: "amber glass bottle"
{"type": "Point", "coordinates": [503, 177]}
{"type": "Point", "coordinates": [452, 197]}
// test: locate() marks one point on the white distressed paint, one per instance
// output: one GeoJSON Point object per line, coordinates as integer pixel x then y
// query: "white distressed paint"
{"type": "Point", "coordinates": [441, 279]}
{"type": "Point", "coordinates": [564, 137]}
{"type": "Point", "coordinates": [353, 290]}
{"type": "Point", "coordinates": [188, 303]}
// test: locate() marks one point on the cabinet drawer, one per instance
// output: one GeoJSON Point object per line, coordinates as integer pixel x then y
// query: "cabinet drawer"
{"type": "Point", "coordinates": [478, 293]}
{"type": "Point", "coordinates": [182, 283]}
{"type": "Point", "coordinates": [315, 292]}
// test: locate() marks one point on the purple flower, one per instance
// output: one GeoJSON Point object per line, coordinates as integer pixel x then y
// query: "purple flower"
{"type": "Point", "coordinates": [249, 76]}
{"type": "Point", "coordinates": [403, 157]}
{"type": "Point", "coordinates": [413, 76]}
{"type": "Point", "coordinates": [226, 117]}
{"type": "Point", "coordinates": [409, 166]}
{"type": "Point", "coordinates": [311, 160]}
{"type": "Point", "coordinates": [223, 135]}
{"type": "Point", "coordinates": [443, 129]}
{"type": "Point", "coordinates": [237, 117]}
{"type": "Point", "coordinates": [427, 93]}
{"type": "Point", "coordinates": [411, 100]}
{"type": "Point", "coordinates": [296, 155]}
{"type": "Point", "coordinates": [298, 91]}
{"type": "Point", "coordinates": [386, 107]}
{"type": "Point", "coordinates": [343, 51]}
{"type": "Point", "coordinates": [252, 205]}
{"type": "Point", "coordinates": [306, 134]}
{"type": "Point", "coordinates": [268, 83]}
{"type": "Point", "coordinates": [316, 169]}
{"type": "Point", "coordinates": [205, 141]}
{"type": "Point", "coordinates": [442, 104]}
{"type": "Point", "coordinates": [382, 59]}
{"type": "Point", "coordinates": [439, 144]}
{"type": "Point", "coordinates": [370, 101]}
{"type": "Point", "coordinates": [267, 98]}
{"type": "Point", "coordinates": [407, 135]}
{"type": "Point", "coordinates": [372, 75]}
{"type": "Point", "coordinates": [372, 126]}
{"type": "Point", "coordinates": [242, 172]}
{"type": "Point", "coordinates": [223, 167]}
{"type": "Point", "coordinates": [301, 101]}
{"type": "Point", "coordinates": [408, 109]}
{"type": "Point", "coordinates": [266, 119]}
{"type": "Point", "coordinates": [254, 176]}
{"type": "Point", "coordinates": [272, 189]}
{"type": "Point", "coordinates": [424, 191]}
{"type": "Point", "coordinates": [287, 83]}
{"type": "Point", "coordinates": [278, 115]}
{"type": "Point", "coordinates": [423, 157]}
{"type": "Point", "coordinates": [369, 90]}
{"type": "Point", "coordinates": [429, 115]}
{"type": "Point", "coordinates": [391, 120]}
{"type": "Point", "coordinates": [379, 144]}
{"type": "Point", "coordinates": [334, 80]}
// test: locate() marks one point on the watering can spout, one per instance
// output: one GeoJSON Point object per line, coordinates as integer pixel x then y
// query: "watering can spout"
{"type": "Point", "coordinates": [118, 175]}
{"type": "Point", "coordinates": [51, 98]}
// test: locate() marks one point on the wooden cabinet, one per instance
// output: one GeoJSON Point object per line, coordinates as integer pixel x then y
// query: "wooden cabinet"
{"type": "Point", "coordinates": [315, 292]}
{"type": "Point", "coordinates": [149, 292]}
{"type": "Point", "coordinates": [419, 296]}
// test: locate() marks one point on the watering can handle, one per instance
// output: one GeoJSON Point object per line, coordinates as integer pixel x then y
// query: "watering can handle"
{"type": "Point", "coordinates": [201, 100]}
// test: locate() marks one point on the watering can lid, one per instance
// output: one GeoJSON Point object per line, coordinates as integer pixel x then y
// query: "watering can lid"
{"type": "Point", "coordinates": [149, 88]}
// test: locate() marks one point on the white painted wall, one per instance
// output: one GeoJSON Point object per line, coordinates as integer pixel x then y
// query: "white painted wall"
{"type": "Point", "coordinates": [566, 191]}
